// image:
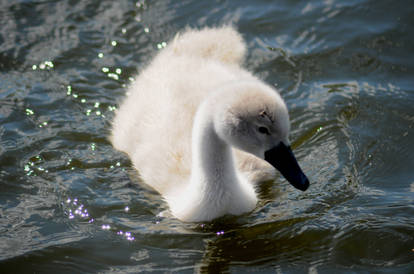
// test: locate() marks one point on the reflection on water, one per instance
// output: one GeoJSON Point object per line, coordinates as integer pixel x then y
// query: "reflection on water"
{"type": "Point", "coordinates": [71, 203]}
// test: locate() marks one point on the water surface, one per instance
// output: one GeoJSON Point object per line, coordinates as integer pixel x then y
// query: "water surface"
{"type": "Point", "coordinates": [70, 203]}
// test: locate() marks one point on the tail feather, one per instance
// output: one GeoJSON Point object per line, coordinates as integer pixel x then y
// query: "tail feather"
{"type": "Point", "coordinates": [223, 44]}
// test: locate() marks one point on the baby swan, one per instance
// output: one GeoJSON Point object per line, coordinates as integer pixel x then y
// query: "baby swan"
{"type": "Point", "coordinates": [201, 130]}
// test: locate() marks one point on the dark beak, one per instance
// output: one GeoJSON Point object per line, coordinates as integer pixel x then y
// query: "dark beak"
{"type": "Point", "coordinates": [282, 158]}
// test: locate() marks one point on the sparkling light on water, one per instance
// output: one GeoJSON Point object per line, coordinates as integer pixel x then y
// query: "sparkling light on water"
{"type": "Point", "coordinates": [113, 76]}
{"type": "Point", "coordinates": [34, 165]}
{"type": "Point", "coordinates": [44, 65]}
{"type": "Point", "coordinates": [78, 211]}
{"type": "Point", "coordinates": [69, 90]}
{"type": "Point", "coordinates": [161, 45]}
{"type": "Point", "coordinates": [29, 111]}
{"type": "Point", "coordinates": [106, 227]}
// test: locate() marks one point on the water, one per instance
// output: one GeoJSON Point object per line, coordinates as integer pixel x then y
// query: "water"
{"type": "Point", "coordinates": [71, 203]}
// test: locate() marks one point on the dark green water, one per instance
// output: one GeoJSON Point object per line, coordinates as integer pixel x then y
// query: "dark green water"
{"type": "Point", "coordinates": [345, 69]}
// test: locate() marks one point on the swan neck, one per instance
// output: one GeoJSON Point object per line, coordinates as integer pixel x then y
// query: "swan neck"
{"type": "Point", "coordinates": [215, 189]}
{"type": "Point", "coordinates": [213, 165]}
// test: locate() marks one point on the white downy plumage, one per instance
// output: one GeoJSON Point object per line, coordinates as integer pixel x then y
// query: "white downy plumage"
{"type": "Point", "coordinates": [197, 125]}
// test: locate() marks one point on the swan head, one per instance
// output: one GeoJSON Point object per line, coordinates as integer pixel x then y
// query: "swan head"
{"type": "Point", "coordinates": [256, 121]}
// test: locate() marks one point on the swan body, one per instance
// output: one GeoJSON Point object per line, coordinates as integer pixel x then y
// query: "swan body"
{"type": "Point", "coordinates": [201, 130]}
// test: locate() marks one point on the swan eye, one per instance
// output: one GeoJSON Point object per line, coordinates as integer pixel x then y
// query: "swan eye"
{"type": "Point", "coordinates": [263, 130]}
